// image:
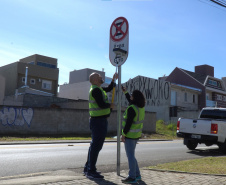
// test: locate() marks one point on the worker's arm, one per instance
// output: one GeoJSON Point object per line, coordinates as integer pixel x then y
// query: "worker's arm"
{"type": "Point", "coordinates": [110, 87]}
{"type": "Point", "coordinates": [98, 96]}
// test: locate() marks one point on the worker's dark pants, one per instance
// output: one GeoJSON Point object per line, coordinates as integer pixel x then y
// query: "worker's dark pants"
{"type": "Point", "coordinates": [98, 127]}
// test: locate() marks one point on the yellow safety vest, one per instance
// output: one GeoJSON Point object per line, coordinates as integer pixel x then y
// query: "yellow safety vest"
{"type": "Point", "coordinates": [137, 125]}
{"type": "Point", "coordinates": [94, 109]}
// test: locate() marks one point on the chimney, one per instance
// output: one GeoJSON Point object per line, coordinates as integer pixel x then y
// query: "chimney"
{"type": "Point", "coordinates": [205, 70]}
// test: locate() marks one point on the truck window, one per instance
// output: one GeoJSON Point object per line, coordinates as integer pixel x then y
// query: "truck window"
{"type": "Point", "coordinates": [213, 114]}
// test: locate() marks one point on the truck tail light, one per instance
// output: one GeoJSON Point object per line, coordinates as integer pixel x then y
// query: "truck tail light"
{"type": "Point", "coordinates": [178, 125]}
{"type": "Point", "coordinates": [214, 128]}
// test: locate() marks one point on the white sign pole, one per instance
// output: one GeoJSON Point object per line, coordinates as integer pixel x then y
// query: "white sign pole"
{"type": "Point", "coordinates": [118, 53]}
{"type": "Point", "coordinates": [119, 121]}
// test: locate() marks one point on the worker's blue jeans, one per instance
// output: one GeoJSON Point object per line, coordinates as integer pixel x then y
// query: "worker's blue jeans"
{"type": "Point", "coordinates": [98, 127]}
{"type": "Point", "coordinates": [130, 145]}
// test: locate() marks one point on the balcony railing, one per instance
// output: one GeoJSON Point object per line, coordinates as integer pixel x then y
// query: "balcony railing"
{"type": "Point", "coordinates": [210, 103]}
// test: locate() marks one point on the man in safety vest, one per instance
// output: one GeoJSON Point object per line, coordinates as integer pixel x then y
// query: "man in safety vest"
{"type": "Point", "coordinates": [132, 125]}
{"type": "Point", "coordinates": [99, 110]}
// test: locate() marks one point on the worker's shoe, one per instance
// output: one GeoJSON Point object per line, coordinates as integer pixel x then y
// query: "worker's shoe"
{"type": "Point", "coordinates": [129, 180]}
{"type": "Point", "coordinates": [85, 171]}
{"type": "Point", "coordinates": [94, 175]}
{"type": "Point", "coordinates": [138, 178]}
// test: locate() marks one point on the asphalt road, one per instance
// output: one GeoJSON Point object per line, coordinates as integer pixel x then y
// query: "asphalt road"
{"type": "Point", "coordinates": [26, 159]}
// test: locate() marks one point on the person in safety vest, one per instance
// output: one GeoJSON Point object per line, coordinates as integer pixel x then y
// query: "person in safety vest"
{"type": "Point", "coordinates": [132, 125]}
{"type": "Point", "coordinates": [99, 110]}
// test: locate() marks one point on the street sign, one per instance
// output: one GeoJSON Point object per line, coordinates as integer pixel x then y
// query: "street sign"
{"type": "Point", "coordinates": [119, 41]}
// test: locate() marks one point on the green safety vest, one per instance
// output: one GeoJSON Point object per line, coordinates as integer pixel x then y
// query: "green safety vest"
{"type": "Point", "coordinates": [137, 125]}
{"type": "Point", "coordinates": [94, 109]}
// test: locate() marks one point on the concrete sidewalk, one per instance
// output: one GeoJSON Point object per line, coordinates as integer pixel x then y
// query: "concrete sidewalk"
{"type": "Point", "coordinates": [68, 177]}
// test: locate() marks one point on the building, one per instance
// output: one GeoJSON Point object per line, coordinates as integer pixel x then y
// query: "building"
{"type": "Point", "coordinates": [195, 90]}
{"type": "Point", "coordinates": [79, 85]}
{"type": "Point", "coordinates": [42, 75]}
{"type": "Point", "coordinates": [2, 89]}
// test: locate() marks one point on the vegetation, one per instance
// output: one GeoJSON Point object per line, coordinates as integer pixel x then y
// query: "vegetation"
{"type": "Point", "coordinates": [209, 165]}
{"type": "Point", "coordinates": [164, 131]}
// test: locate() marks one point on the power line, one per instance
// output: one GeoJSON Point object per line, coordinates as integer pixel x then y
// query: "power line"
{"type": "Point", "coordinates": [219, 2]}
{"type": "Point", "coordinates": [215, 5]}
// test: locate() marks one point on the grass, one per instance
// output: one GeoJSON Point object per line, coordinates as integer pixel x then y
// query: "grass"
{"type": "Point", "coordinates": [8, 139]}
{"type": "Point", "coordinates": [164, 131]}
{"type": "Point", "coordinates": [209, 165]}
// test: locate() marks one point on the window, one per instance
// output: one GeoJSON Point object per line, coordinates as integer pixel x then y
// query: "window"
{"type": "Point", "coordinates": [46, 84]}
{"type": "Point", "coordinates": [193, 98]}
{"type": "Point", "coordinates": [32, 81]}
{"type": "Point", "coordinates": [32, 62]}
{"type": "Point", "coordinates": [46, 65]}
{"type": "Point", "coordinates": [214, 83]}
{"type": "Point", "coordinates": [23, 79]}
{"type": "Point", "coordinates": [185, 97]}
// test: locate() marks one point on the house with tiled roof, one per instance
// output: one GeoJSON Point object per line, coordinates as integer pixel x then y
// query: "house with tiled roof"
{"type": "Point", "coordinates": [204, 89]}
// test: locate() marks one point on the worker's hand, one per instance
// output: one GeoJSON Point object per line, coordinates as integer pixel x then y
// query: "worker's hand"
{"type": "Point", "coordinates": [112, 106]}
{"type": "Point", "coordinates": [115, 77]}
{"type": "Point", "coordinates": [124, 89]}
{"type": "Point", "coordinates": [123, 138]}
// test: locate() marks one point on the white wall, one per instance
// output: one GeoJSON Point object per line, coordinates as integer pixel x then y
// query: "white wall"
{"type": "Point", "coordinates": [75, 91]}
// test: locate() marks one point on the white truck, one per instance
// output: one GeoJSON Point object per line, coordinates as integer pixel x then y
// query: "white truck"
{"type": "Point", "coordinates": [209, 128]}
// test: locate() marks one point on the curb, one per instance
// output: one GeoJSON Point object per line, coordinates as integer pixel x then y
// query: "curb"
{"type": "Point", "coordinates": [65, 141]}
{"type": "Point", "coordinates": [194, 173]}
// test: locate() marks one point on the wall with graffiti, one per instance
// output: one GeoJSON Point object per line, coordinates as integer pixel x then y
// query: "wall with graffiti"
{"type": "Point", "coordinates": [156, 92]}
{"type": "Point", "coordinates": [16, 116]}
{"type": "Point", "coordinates": [56, 121]}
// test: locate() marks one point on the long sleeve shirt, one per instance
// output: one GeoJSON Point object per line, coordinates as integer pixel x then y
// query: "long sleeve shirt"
{"type": "Point", "coordinates": [98, 96]}
{"type": "Point", "coordinates": [130, 115]}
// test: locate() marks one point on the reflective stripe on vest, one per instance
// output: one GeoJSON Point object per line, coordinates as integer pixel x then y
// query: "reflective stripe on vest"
{"type": "Point", "coordinates": [137, 125]}
{"type": "Point", "coordinates": [94, 109]}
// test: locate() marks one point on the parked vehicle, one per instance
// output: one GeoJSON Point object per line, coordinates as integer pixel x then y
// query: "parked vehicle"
{"type": "Point", "coordinates": [209, 128]}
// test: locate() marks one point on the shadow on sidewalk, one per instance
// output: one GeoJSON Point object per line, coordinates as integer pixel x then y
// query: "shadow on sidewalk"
{"type": "Point", "coordinates": [104, 182]}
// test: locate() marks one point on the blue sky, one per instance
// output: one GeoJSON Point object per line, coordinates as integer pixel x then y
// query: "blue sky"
{"type": "Point", "coordinates": [163, 34]}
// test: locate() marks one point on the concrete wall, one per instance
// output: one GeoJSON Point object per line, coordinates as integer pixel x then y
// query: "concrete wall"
{"type": "Point", "coordinates": [75, 91]}
{"type": "Point", "coordinates": [185, 114]}
{"type": "Point", "coordinates": [82, 75]}
{"type": "Point", "coordinates": [46, 121]}
{"type": "Point", "coordinates": [180, 98]}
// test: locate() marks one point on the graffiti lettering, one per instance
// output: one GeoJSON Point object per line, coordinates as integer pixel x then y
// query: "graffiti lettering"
{"type": "Point", "coordinates": [16, 116]}
{"type": "Point", "coordinates": [156, 92]}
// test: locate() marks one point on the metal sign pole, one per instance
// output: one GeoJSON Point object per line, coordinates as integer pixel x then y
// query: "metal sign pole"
{"type": "Point", "coordinates": [119, 121]}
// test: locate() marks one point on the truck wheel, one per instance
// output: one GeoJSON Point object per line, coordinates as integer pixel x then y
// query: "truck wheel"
{"type": "Point", "coordinates": [191, 145]}
{"type": "Point", "coordinates": [222, 147]}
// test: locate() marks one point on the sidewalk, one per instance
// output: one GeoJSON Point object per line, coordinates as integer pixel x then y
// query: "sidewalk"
{"type": "Point", "coordinates": [149, 177]}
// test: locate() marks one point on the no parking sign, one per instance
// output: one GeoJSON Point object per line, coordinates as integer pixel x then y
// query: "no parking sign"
{"type": "Point", "coordinates": [119, 41]}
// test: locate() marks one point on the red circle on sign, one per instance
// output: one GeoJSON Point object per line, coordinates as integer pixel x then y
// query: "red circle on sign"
{"type": "Point", "coordinates": [118, 27]}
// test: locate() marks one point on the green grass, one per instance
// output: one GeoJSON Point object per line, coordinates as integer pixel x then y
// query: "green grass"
{"type": "Point", "coordinates": [209, 165]}
{"type": "Point", "coordinates": [164, 131]}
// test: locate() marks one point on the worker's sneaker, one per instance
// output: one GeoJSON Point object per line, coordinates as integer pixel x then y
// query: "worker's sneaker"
{"type": "Point", "coordinates": [85, 171]}
{"type": "Point", "coordinates": [138, 178]}
{"type": "Point", "coordinates": [94, 175]}
{"type": "Point", "coordinates": [129, 180]}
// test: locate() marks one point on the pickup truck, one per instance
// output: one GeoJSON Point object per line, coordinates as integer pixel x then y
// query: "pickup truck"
{"type": "Point", "coordinates": [209, 128]}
